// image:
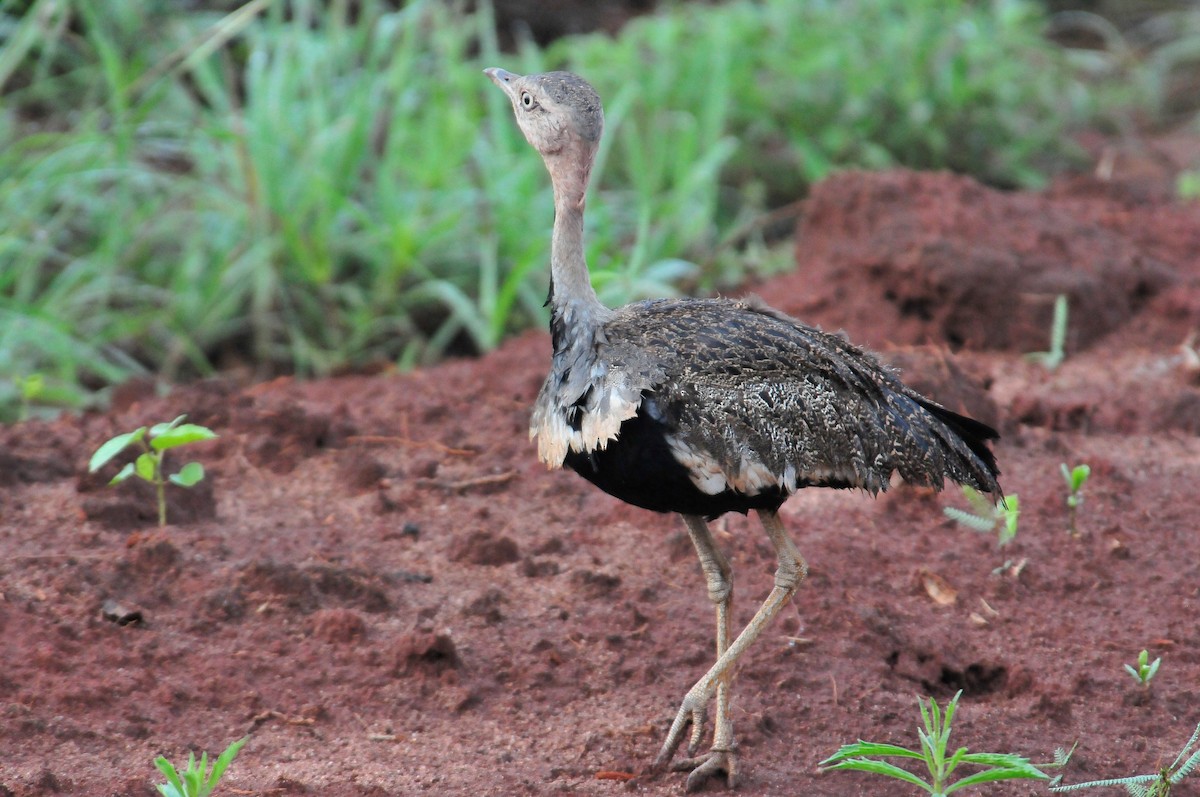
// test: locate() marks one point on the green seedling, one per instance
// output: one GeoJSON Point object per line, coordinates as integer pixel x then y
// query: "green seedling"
{"type": "Point", "coordinates": [1075, 478]}
{"type": "Point", "coordinates": [865, 757]}
{"type": "Point", "coordinates": [1145, 670]}
{"type": "Point", "coordinates": [1187, 185]}
{"type": "Point", "coordinates": [155, 441]}
{"type": "Point", "coordinates": [986, 516]}
{"type": "Point", "coordinates": [30, 389]}
{"type": "Point", "coordinates": [196, 781]}
{"type": "Point", "coordinates": [1050, 360]}
{"type": "Point", "coordinates": [1158, 784]}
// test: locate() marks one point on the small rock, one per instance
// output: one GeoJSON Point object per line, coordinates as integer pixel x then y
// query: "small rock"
{"type": "Point", "coordinates": [116, 613]}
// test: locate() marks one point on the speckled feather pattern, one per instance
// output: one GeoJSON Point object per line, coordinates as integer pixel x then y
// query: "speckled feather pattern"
{"type": "Point", "coordinates": [752, 400]}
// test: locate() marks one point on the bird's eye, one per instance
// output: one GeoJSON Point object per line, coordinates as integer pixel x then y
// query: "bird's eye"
{"type": "Point", "coordinates": [527, 100]}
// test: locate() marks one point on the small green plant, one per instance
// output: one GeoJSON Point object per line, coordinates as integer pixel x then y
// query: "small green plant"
{"type": "Point", "coordinates": [30, 389]}
{"type": "Point", "coordinates": [196, 781]}
{"type": "Point", "coordinates": [1050, 360]}
{"type": "Point", "coordinates": [155, 441]}
{"type": "Point", "coordinates": [1075, 478]}
{"type": "Point", "coordinates": [1158, 784]}
{"type": "Point", "coordinates": [986, 516]}
{"type": "Point", "coordinates": [1145, 670]}
{"type": "Point", "coordinates": [864, 757]}
{"type": "Point", "coordinates": [1187, 185]}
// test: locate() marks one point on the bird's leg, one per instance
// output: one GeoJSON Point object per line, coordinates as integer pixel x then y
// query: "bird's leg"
{"type": "Point", "coordinates": [719, 576]}
{"type": "Point", "coordinates": [790, 570]}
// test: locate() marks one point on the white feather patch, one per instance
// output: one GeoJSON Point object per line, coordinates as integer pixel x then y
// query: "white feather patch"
{"type": "Point", "coordinates": [599, 423]}
{"type": "Point", "coordinates": [708, 475]}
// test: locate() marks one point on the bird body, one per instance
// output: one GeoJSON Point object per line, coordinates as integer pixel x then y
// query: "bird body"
{"type": "Point", "coordinates": [708, 406]}
{"type": "Point", "coordinates": [745, 402]}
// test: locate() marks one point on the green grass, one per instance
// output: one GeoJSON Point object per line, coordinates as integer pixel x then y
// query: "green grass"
{"type": "Point", "coordinates": [309, 185]}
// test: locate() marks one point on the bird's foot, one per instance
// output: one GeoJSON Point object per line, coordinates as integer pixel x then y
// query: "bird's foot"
{"type": "Point", "coordinates": [702, 767]}
{"type": "Point", "coordinates": [707, 766]}
{"type": "Point", "coordinates": [691, 712]}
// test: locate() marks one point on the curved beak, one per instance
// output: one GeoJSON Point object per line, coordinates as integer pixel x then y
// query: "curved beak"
{"type": "Point", "coordinates": [502, 78]}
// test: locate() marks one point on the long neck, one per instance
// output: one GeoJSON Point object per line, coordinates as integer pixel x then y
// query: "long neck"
{"type": "Point", "coordinates": [571, 289]}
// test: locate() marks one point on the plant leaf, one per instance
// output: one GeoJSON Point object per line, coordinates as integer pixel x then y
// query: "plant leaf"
{"type": "Point", "coordinates": [1135, 779]}
{"type": "Point", "coordinates": [1012, 517]}
{"type": "Point", "coordinates": [146, 466]}
{"type": "Point", "coordinates": [189, 475]}
{"type": "Point", "coordinates": [1191, 762]}
{"type": "Point", "coordinates": [180, 435]}
{"type": "Point", "coordinates": [967, 519]}
{"type": "Point", "coordinates": [998, 760]}
{"type": "Point", "coordinates": [861, 748]}
{"type": "Point", "coordinates": [881, 768]}
{"type": "Point", "coordinates": [113, 447]}
{"type": "Point", "coordinates": [1079, 476]}
{"type": "Point", "coordinates": [978, 501]}
{"type": "Point", "coordinates": [162, 428]}
{"type": "Point", "coordinates": [224, 760]}
{"type": "Point", "coordinates": [1027, 772]}
{"type": "Point", "coordinates": [127, 471]}
{"type": "Point", "coordinates": [173, 787]}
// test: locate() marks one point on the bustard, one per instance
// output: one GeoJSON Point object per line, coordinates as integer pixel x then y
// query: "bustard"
{"type": "Point", "coordinates": [707, 406]}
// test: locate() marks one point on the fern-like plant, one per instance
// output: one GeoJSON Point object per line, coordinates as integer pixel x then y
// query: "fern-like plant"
{"type": "Point", "coordinates": [986, 516]}
{"type": "Point", "coordinates": [1158, 784]}
{"type": "Point", "coordinates": [1050, 360]}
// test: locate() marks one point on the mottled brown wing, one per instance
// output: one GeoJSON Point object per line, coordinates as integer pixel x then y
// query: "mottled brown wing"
{"type": "Point", "coordinates": [755, 399]}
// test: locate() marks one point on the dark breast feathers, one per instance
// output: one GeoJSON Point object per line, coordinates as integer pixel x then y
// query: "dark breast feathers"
{"type": "Point", "coordinates": [711, 406]}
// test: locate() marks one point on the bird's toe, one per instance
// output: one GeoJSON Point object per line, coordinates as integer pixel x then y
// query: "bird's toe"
{"type": "Point", "coordinates": [709, 765]}
{"type": "Point", "coordinates": [687, 715]}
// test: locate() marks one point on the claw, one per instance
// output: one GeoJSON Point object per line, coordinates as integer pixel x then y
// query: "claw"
{"type": "Point", "coordinates": [707, 766]}
{"type": "Point", "coordinates": [686, 716]}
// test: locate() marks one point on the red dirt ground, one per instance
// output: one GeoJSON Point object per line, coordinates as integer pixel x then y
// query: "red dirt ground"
{"type": "Point", "coordinates": [385, 591]}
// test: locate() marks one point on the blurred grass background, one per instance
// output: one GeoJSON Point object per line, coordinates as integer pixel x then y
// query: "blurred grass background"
{"type": "Point", "coordinates": [300, 186]}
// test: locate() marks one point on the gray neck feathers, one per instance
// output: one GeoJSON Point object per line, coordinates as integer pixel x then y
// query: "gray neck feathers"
{"type": "Point", "coordinates": [573, 301]}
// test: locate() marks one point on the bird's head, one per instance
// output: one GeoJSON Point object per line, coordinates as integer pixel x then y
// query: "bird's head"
{"type": "Point", "coordinates": [559, 113]}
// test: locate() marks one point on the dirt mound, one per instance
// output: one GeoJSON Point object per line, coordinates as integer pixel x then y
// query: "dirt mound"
{"type": "Point", "coordinates": [940, 258]}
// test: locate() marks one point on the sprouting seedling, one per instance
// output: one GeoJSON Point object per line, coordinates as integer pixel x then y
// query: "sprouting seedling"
{"type": "Point", "coordinates": [1053, 358]}
{"type": "Point", "coordinates": [155, 441]}
{"type": "Point", "coordinates": [196, 781]}
{"type": "Point", "coordinates": [866, 757]}
{"type": "Point", "coordinates": [1075, 478]}
{"type": "Point", "coordinates": [1187, 185]}
{"type": "Point", "coordinates": [1158, 784]}
{"type": "Point", "coordinates": [1145, 670]}
{"type": "Point", "coordinates": [31, 388]}
{"type": "Point", "coordinates": [987, 516]}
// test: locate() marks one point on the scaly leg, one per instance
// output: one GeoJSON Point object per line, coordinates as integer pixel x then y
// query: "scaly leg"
{"type": "Point", "coordinates": [790, 570]}
{"type": "Point", "coordinates": [719, 576]}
